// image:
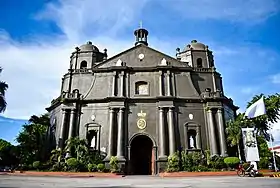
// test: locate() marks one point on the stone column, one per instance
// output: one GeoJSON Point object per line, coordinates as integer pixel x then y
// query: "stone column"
{"type": "Point", "coordinates": [62, 128]}
{"type": "Point", "coordinates": [111, 136]}
{"type": "Point", "coordinates": [160, 83]}
{"type": "Point", "coordinates": [120, 146]}
{"type": "Point", "coordinates": [71, 123]}
{"type": "Point", "coordinates": [70, 133]}
{"type": "Point", "coordinates": [198, 138]}
{"type": "Point", "coordinates": [98, 138]}
{"type": "Point", "coordinates": [161, 130]}
{"type": "Point", "coordinates": [221, 131]}
{"type": "Point", "coordinates": [122, 84]}
{"type": "Point", "coordinates": [114, 85]}
{"type": "Point", "coordinates": [168, 83]}
{"type": "Point", "coordinates": [171, 132]}
{"type": "Point", "coordinates": [211, 130]}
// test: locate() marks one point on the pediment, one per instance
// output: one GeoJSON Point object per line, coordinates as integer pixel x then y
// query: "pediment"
{"type": "Point", "coordinates": [141, 56]}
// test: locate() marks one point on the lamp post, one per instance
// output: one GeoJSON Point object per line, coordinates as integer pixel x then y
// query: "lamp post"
{"type": "Point", "coordinates": [272, 148]}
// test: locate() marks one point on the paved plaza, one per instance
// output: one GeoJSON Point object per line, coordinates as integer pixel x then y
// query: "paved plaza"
{"type": "Point", "coordinates": [138, 181]}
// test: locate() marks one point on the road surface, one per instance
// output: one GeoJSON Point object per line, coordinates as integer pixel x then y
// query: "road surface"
{"type": "Point", "coordinates": [138, 182]}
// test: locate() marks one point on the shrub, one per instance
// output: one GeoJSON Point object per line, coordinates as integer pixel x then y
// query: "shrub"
{"type": "Point", "coordinates": [58, 167]}
{"type": "Point", "coordinates": [100, 167]}
{"type": "Point", "coordinates": [36, 165]}
{"type": "Point", "coordinates": [263, 163]}
{"type": "Point", "coordinates": [173, 163]}
{"type": "Point", "coordinates": [191, 161]}
{"type": "Point", "coordinates": [217, 162]}
{"type": "Point", "coordinates": [114, 166]}
{"type": "Point", "coordinates": [232, 162]}
{"type": "Point", "coordinates": [91, 167]}
{"type": "Point", "coordinates": [187, 161]}
{"type": "Point", "coordinates": [73, 164]}
{"type": "Point", "coordinates": [201, 168]}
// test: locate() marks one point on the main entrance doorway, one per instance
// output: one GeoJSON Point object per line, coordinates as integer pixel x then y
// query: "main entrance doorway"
{"type": "Point", "coordinates": [141, 156]}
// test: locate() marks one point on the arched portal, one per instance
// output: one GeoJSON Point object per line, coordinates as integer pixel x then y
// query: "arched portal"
{"type": "Point", "coordinates": [141, 155]}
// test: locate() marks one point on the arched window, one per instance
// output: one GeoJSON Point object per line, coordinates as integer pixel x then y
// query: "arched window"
{"type": "Point", "coordinates": [199, 62]}
{"type": "Point", "coordinates": [83, 65]}
{"type": "Point", "coordinates": [141, 88]}
{"type": "Point", "coordinates": [191, 139]}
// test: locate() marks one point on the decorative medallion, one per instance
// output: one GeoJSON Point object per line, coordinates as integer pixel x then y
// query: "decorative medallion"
{"type": "Point", "coordinates": [141, 122]}
{"type": "Point", "coordinates": [141, 56]}
{"type": "Point", "coordinates": [191, 116]}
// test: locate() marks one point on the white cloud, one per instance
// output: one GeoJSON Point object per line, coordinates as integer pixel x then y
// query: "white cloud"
{"type": "Point", "coordinates": [78, 18]}
{"type": "Point", "coordinates": [238, 10]}
{"type": "Point", "coordinates": [275, 78]}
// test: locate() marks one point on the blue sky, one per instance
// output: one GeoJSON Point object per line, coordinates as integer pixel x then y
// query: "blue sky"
{"type": "Point", "coordinates": [37, 38]}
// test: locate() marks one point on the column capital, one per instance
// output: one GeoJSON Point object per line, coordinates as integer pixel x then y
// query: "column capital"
{"type": "Point", "coordinates": [160, 108]}
{"type": "Point", "coordinates": [122, 109]}
{"type": "Point", "coordinates": [220, 110]}
{"type": "Point", "coordinates": [171, 108]}
{"type": "Point", "coordinates": [209, 110]}
{"type": "Point", "coordinates": [111, 109]}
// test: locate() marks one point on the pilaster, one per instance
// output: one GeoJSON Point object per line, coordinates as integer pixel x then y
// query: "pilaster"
{"type": "Point", "coordinates": [211, 129]}
{"type": "Point", "coordinates": [111, 136]}
{"type": "Point", "coordinates": [120, 142]}
{"type": "Point", "coordinates": [171, 132]}
{"type": "Point", "coordinates": [162, 152]}
{"type": "Point", "coordinates": [221, 130]}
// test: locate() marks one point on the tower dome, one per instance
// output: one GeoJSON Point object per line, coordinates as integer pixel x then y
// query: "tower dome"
{"type": "Point", "coordinates": [89, 47]}
{"type": "Point", "coordinates": [194, 45]}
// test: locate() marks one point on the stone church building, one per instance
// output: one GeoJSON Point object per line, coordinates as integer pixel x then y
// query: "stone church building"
{"type": "Point", "coordinates": [142, 105]}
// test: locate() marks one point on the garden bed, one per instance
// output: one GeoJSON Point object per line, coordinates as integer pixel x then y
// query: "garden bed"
{"type": "Point", "coordinates": [68, 174]}
{"type": "Point", "coordinates": [211, 173]}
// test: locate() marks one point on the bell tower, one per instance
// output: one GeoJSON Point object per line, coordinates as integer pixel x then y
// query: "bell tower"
{"type": "Point", "coordinates": [141, 36]}
{"type": "Point", "coordinates": [197, 55]}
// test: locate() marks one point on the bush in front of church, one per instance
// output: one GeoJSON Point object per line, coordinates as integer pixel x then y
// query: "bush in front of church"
{"type": "Point", "coordinates": [173, 163]}
{"type": "Point", "coordinates": [92, 167]}
{"type": "Point", "coordinates": [72, 164]}
{"type": "Point", "coordinates": [232, 162]}
{"type": "Point", "coordinates": [114, 166]}
{"type": "Point", "coordinates": [100, 167]}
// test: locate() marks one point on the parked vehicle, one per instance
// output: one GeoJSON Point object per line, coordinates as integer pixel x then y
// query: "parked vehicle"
{"type": "Point", "coordinates": [250, 171]}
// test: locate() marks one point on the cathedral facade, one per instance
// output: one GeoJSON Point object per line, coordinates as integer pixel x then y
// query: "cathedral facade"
{"type": "Point", "coordinates": [142, 105]}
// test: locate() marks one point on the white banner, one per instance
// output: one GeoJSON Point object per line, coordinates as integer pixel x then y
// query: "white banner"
{"type": "Point", "coordinates": [250, 144]}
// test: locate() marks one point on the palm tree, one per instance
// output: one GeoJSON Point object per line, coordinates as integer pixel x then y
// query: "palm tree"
{"type": "Point", "coordinates": [79, 146]}
{"type": "Point", "coordinates": [234, 133]}
{"type": "Point", "coordinates": [3, 88]}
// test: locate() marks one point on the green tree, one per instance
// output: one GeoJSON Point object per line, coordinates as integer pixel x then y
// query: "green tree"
{"type": "Point", "coordinates": [233, 131]}
{"type": "Point", "coordinates": [4, 144]}
{"type": "Point", "coordinates": [43, 119]}
{"type": "Point", "coordinates": [32, 142]}
{"type": "Point", "coordinates": [3, 89]}
{"type": "Point", "coordinates": [32, 139]}
{"type": "Point", "coordinates": [262, 123]}
{"type": "Point", "coordinates": [8, 154]}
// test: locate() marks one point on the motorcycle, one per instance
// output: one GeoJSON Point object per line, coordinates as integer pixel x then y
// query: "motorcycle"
{"type": "Point", "coordinates": [250, 171]}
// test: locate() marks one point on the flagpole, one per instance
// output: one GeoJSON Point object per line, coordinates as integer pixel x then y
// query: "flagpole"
{"type": "Point", "coordinates": [272, 149]}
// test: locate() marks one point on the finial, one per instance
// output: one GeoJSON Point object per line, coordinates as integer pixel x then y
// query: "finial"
{"type": "Point", "coordinates": [141, 24]}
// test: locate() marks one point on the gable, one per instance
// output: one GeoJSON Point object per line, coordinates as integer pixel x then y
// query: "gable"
{"type": "Point", "coordinates": [151, 58]}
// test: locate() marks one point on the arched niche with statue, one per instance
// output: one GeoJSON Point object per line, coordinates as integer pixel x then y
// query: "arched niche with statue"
{"type": "Point", "coordinates": [192, 132]}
